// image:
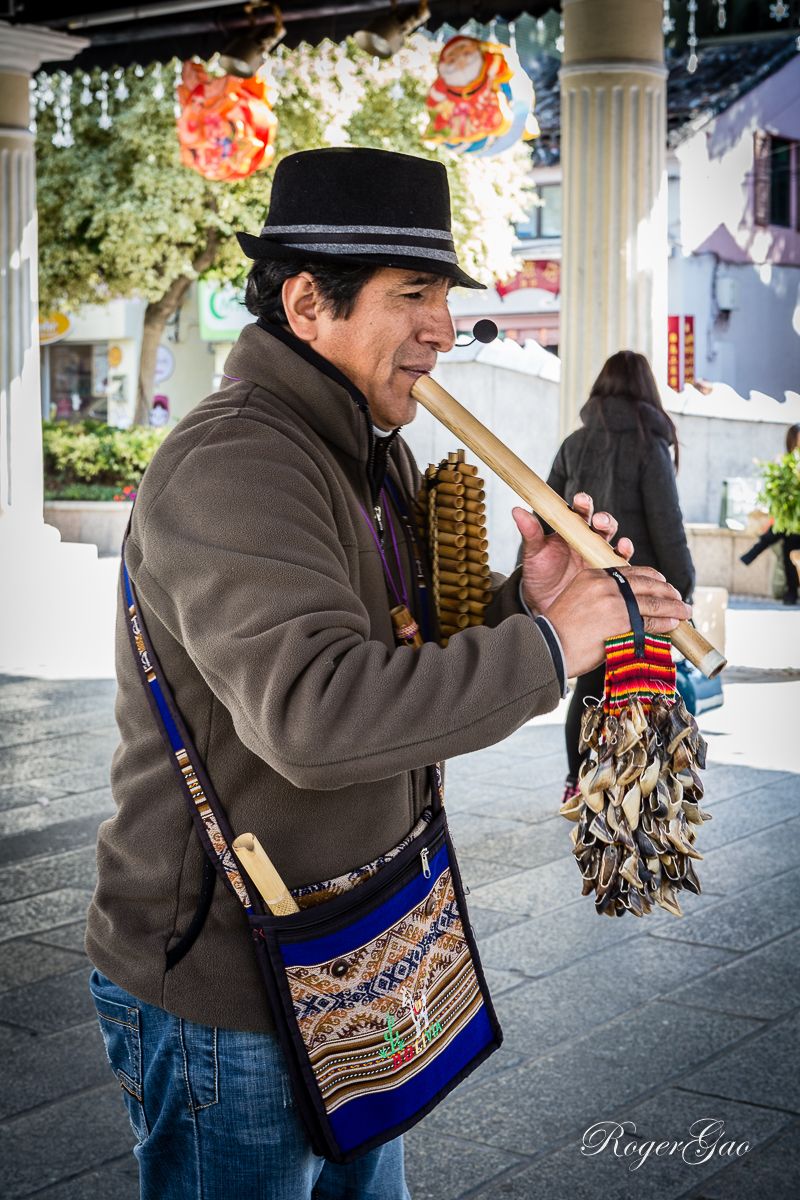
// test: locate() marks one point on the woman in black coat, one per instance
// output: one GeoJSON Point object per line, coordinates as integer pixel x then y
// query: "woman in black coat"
{"type": "Point", "coordinates": [623, 458]}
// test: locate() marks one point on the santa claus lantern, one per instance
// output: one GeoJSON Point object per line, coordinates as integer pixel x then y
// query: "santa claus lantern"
{"type": "Point", "coordinates": [226, 127]}
{"type": "Point", "coordinates": [482, 101]}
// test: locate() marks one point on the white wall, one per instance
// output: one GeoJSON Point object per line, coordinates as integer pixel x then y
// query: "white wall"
{"type": "Point", "coordinates": [713, 450]}
{"type": "Point", "coordinates": [757, 348]}
{"type": "Point", "coordinates": [521, 409]}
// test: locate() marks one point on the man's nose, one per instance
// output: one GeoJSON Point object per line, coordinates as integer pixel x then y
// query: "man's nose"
{"type": "Point", "coordinates": [438, 331]}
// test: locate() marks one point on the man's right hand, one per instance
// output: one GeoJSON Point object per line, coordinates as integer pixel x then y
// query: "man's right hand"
{"type": "Point", "coordinates": [591, 609]}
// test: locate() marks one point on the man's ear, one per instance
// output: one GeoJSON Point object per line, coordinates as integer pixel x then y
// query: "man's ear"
{"type": "Point", "coordinates": [301, 305]}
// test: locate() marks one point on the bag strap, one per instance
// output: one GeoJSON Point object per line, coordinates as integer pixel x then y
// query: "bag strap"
{"type": "Point", "coordinates": [204, 808]}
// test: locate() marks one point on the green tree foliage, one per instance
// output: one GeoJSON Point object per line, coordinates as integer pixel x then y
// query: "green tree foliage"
{"type": "Point", "coordinates": [392, 116]}
{"type": "Point", "coordinates": [121, 216]}
{"type": "Point", "coordinates": [780, 492]}
{"type": "Point", "coordinates": [85, 460]}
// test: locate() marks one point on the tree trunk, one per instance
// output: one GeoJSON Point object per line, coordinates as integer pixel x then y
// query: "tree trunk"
{"type": "Point", "coordinates": [156, 316]}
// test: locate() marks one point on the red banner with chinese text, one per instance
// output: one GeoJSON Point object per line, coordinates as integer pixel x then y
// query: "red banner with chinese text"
{"type": "Point", "coordinates": [674, 353]}
{"type": "Point", "coordinates": [688, 350]}
{"type": "Point", "coordinates": [541, 273]}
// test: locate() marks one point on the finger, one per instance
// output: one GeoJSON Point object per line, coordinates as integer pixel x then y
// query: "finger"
{"type": "Point", "coordinates": [530, 529]}
{"type": "Point", "coordinates": [660, 624]}
{"type": "Point", "coordinates": [583, 505]}
{"type": "Point", "coordinates": [605, 524]}
{"type": "Point", "coordinates": [632, 573]}
{"type": "Point", "coordinates": [658, 606]}
{"type": "Point", "coordinates": [625, 548]}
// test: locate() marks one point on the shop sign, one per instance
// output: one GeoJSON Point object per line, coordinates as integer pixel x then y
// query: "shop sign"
{"type": "Point", "coordinates": [53, 327]}
{"type": "Point", "coordinates": [674, 353]}
{"type": "Point", "coordinates": [688, 350]}
{"type": "Point", "coordinates": [680, 352]}
{"type": "Point", "coordinates": [539, 273]}
{"type": "Point", "coordinates": [165, 364]}
{"type": "Point", "coordinates": [223, 315]}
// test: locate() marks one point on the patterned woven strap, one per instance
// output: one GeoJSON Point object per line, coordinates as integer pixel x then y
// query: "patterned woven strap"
{"type": "Point", "coordinates": [628, 676]}
{"type": "Point", "coordinates": [201, 801]}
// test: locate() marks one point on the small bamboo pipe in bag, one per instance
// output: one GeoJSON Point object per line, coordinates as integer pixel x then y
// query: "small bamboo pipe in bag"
{"type": "Point", "coordinates": [547, 503]}
{"type": "Point", "coordinates": [255, 860]}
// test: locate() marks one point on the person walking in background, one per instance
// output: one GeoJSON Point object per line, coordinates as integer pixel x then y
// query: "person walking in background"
{"type": "Point", "coordinates": [790, 541]}
{"type": "Point", "coordinates": [626, 457]}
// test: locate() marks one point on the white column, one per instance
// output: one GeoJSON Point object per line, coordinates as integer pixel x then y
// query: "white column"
{"type": "Point", "coordinates": [47, 589]}
{"type": "Point", "coordinates": [23, 48]}
{"type": "Point", "coordinates": [613, 144]}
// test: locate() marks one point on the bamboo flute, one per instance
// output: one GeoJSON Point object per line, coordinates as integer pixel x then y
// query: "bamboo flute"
{"type": "Point", "coordinates": [255, 860]}
{"type": "Point", "coordinates": [544, 501]}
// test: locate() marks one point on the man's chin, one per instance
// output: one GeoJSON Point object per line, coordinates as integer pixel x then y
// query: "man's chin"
{"type": "Point", "coordinates": [399, 410]}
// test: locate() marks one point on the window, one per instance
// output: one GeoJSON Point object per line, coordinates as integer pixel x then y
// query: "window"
{"type": "Point", "coordinates": [780, 183]}
{"type": "Point", "coordinates": [78, 381]}
{"type": "Point", "coordinates": [776, 162]}
{"type": "Point", "coordinates": [543, 215]}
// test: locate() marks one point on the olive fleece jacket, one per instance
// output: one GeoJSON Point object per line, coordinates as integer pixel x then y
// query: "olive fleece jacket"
{"type": "Point", "coordinates": [264, 595]}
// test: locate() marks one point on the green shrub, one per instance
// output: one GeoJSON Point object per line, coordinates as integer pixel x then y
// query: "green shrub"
{"type": "Point", "coordinates": [86, 458]}
{"type": "Point", "coordinates": [89, 491]}
{"type": "Point", "coordinates": [780, 492]}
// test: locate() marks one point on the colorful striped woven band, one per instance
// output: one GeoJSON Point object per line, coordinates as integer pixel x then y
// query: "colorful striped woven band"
{"type": "Point", "coordinates": [628, 676]}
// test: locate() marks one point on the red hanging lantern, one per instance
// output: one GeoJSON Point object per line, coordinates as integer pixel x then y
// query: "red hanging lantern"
{"type": "Point", "coordinates": [226, 127]}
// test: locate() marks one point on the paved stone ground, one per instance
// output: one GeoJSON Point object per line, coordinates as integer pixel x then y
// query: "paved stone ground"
{"type": "Point", "coordinates": [659, 1023]}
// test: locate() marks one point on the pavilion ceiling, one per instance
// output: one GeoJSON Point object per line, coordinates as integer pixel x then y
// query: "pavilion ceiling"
{"type": "Point", "coordinates": [160, 30]}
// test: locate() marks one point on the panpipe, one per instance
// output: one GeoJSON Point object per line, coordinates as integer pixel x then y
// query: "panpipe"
{"type": "Point", "coordinates": [451, 514]}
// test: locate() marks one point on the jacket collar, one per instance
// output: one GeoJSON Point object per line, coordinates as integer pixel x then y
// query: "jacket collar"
{"type": "Point", "coordinates": [331, 404]}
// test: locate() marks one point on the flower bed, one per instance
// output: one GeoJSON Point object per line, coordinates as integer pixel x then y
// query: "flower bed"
{"type": "Point", "coordinates": [87, 460]}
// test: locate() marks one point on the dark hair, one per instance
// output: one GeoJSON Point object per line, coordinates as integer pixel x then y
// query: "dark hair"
{"type": "Point", "coordinates": [793, 439]}
{"type": "Point", "coordinates": [339, 285]}
{"type": "Point", "coordinates": [628, 374]}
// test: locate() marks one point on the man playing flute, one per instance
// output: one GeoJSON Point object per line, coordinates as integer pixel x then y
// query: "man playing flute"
{"type": "Point", "coordinates": [271, 537]}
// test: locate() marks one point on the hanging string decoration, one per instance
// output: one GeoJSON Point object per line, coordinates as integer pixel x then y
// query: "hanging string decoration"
{"type": "Point", "coordinates": [226, 126]}
{"type": "Point", "coordinates": [667, 23]}
{"type": "Point", "coordinates": [481, 101]}
{"type": "Point", "coordinates": [637, 811]}
{"type": "Point", "coordinates": [691, 66]}
{"type": "Point", "coordinates": [722, 16]}
{"type": "Point", "coordinates": [451, 515]}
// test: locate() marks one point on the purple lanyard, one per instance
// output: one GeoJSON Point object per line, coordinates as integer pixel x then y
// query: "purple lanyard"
{"type": "Point", "coordinates": [383, 556]}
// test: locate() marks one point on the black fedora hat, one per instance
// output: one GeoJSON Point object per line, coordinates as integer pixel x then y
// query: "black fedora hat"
{"type": "Point", "coordinates": [356, 205]}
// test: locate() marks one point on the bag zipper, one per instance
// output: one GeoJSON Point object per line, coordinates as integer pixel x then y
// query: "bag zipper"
{"type": "Point", "coordinates": [407, 874]}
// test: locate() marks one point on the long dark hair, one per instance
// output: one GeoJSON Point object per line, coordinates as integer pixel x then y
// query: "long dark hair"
{"type": "Point", "coordinates": [627, 374]}
{"type": "Point", "coordinates": [792, 438]}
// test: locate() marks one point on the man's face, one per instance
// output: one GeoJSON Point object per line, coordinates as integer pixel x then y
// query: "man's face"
{"type": "Point", "coordinates": [398, 326]}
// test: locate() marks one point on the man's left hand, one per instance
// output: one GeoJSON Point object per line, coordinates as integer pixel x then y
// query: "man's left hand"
{"type": "Point", "coordinates": [548, 562]}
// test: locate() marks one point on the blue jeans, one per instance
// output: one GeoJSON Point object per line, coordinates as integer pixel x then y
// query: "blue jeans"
{"type": "Point", "coordinates": [214, 1115]}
